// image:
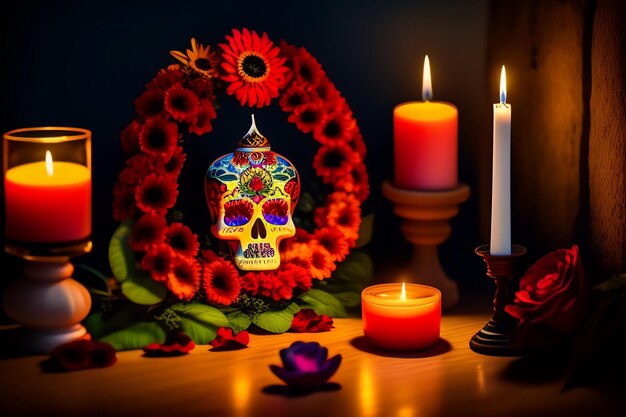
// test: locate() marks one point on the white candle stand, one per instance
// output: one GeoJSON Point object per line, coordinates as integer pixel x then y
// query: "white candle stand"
{"type": "Point", "coordinates": [48, 303]}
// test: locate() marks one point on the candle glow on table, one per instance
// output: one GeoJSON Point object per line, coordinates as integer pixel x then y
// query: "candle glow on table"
{"type": "Point", "coordinates": [501, 181]}
{"type": "Point", "coordinates": [425, 142]}
{"type": "Point", "coordinates": [48, 201]}
{"type": "Point", "coordinates": [401, 316]}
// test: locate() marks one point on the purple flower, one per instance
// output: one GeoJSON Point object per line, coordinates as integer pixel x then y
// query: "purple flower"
{"type": "Point", "coordinates": [305, 365]}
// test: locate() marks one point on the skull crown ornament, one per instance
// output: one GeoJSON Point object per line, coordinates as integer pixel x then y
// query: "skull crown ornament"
{"type": "Point", "coordinates": [251, 194]}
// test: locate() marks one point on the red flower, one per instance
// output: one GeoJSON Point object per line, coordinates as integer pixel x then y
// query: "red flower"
{"type": "Point", "coordinates": [306, 69]}
{"type": "Point", "coordinates": [250, 282]}
{"type": "Point", "coordinates": [357, 144]}
{"type": "Point", "coordinates": [182, 240]}
{"type": "Point", "coordinates": [130, 137]}
{"type": "Point", "coordinates": [327, 91]}
{"type": "Point", "coordinates": [176, 162]}
{"type": "Point", "coordinates": [342, 211]}
{"type": "Point", "coordinates": [551, 302]}
{"type": "Point", "coordinates": [202, 123]}
{"type": "Point", "coordinates": [334, 161]}
{"type": "Point", "coordinates": [82, 354]}
{"type": "Point", "coordinates": [308, 321]}
{"type": "Point", "coordinates": [334, 242]}
{"type": "Point", "coordinates": [137, 168]}
{"type": "Point", "coordinates": [183, 279]}
{"type": "Point", "coordinates": [149, 230]}
{"type": "Point", "coordinates": [166, 79]}
{"type": "Point", "coordinates": [209, 256]}
{"type": "Point", "coordinates": [158, 261]}
{"type": "Point", "coordinates": [336, 127]}
{"type": "Point", "coordinates": [221, 282]}
{"type": "Point", "coordinates": [256, 184]}
{"type": "Point", "coordinates": [356, 182]}
{"type": "Point", "coordinates": [226, 340]}
{"type": "Point", "coordinates": [156, 193]}
{"type": "Point", "coordinates": [150, 104]}
{"type": "Point", "coordinates": [299, 274]}
{"type": "Point", "coordinates": [252, 67]}
{"type": "Point", "coordinates": [182, 104]}
{"type": "Point", "coordinates": [123, 202]}
{"type": "Point", "coordinates": [307, 116]}
{"type": "Point", "coordinates": [203, 87]}
{"type": "Point", "coordinates": [293, 97]}
{"type": "Point", "coordinates": [158, 138]}
{"type": "Point", "coordinates": [175, 344]}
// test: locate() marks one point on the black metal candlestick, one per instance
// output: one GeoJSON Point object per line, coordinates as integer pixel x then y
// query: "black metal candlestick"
{"type": "Point", "coordinates": [493, 339]}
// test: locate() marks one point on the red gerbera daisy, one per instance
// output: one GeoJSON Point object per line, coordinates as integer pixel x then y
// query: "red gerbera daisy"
{"type": "Point", "coordinates": [158, 138]}
{"type": "Point", "coordinates": [202, 123]}
{"type": "Point", "coordinates": [150, 103]}
{"type": "Point", "coordinates": [130, 137]}
{"type": "Point", "coordinates": [293, 97]}
{"type": "Point", "coordinates": [182, 104]}
{"type": "Point", "coordinates": [203, 87]}
{"type": "Point", "coordinates": [250, 282]}
{"type": "Point", "coordinates": [357, 144]}
{"type": "Point", "coordinates": [123, 202]}
{"type": "Point", "coordinates": [176, 162]}
{"type": "Point", "coordinates": [149, 230]}
{"type": "Point", "coordinates": [156, 193]}
{"type": "Point", "coordinates": [289, 52]}
{"type": "Point", "coordinates": [307, 116]}
{"type": "Point", "coordinates": [336, 127]}
{"type": "Point", "coordinates": [165, 79]}
{"type": "Point", "coordinates": [333, 161]}
{"type": "Point", "coordinates": [183, 280]}
{"type": "Point", "coordinates": [343, 211]}
{"type": "Point", "coordinates": [252, 68]}
{"type": "Point", "coordinates": [333, 241]}
{"type": "Point", "coordinates": [306, 69]}
{"type": "Point", "coordinates": [276, 285]}
{"type": "Point", "coordinates": [322, 264]}
{"type": "Point", "coordinates": [182, 240]}
{"type": "Point", "coordinates": [356, 182]}
{"type": "Point", "coordinates": [158, 261]}
{"type": "Point", "coordinates": [327, 91]}
{"type": "Point", "coordinates": [220, 281]}
{"type": "Point", "coordinates": [137, 167]}
{"type": "Point", "coordinates": [298, 274]}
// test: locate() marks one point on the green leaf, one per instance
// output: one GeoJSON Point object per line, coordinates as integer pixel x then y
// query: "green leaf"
{"type": "Point", "coordinates": [348, 299]}
{"type": "Point", "coordinates": [135, 336]}
{"type": "Point", "coordinates": [121, 256]}
{"type": "Point", "coordinates": [201, 333]}
{"type": "Point", "coordinates": [366, 230]}
{"type": "Point", "coordinates": [239, 321]}
{"type": "Point", "coordinates": [616, 282]}
{"type": "Point", "coordinates": [95, 325]}
{"type": "Point", "coordinates": [201, 313]}
{"type": "Point", "coordinates": [357, 268]}
{"type": "Point", "coordinates": [141, 289]}
{"type": "Point", "coordinates": [277, 321]}
{"type": "Point", "coordinates": [323, 303]}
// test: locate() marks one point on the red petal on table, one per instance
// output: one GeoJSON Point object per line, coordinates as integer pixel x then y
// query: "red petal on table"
{"type": "Point", "coordinates": [308, 321]}
{"type": "Point", "coordinates": [225, 339]}
{"type": "Point", "coordinates": [175, 345]}
{"type": "Point", "coordinates": [82, 354]}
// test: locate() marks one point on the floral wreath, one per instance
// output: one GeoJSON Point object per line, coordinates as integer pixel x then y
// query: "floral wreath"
{"type": "Point", "coordinates": [159, 262]}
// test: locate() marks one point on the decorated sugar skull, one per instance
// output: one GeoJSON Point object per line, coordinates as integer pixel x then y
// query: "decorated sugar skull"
{"type": "Point", "coordinates": [251, 195]}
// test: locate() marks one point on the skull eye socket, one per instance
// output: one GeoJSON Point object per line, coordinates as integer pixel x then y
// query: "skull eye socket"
{"type": "Point", "coordinates": [276, 211]}
{"type": "Point", "coordinates": [238, 212]}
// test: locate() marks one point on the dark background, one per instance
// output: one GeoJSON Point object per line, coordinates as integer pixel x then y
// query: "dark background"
{"type": "Point", "coordinates": [77, 63]}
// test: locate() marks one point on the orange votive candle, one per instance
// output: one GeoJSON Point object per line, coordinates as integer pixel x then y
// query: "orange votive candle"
{"type": "Point", "coordinates": [394, 319]}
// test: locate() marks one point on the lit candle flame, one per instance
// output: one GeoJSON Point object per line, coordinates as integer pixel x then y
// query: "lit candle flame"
{"type": "Point", "coordinates": [503, 85]}
{"type": "Point", "coordinates": [403, 293]}
{"type": "Point", "coordinates": [49, 168]}
{"type": "Point", "coordinates": [427, 85]}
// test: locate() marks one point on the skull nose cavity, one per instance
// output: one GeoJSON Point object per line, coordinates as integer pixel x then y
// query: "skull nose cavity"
{"type": "Point", "coordinates": [258, 230]}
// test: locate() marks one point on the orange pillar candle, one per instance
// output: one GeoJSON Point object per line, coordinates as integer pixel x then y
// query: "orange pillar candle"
{"type": "Point", "coordinates": [48, 201]}
{"type": "Point", "coordinates": [401, 316]}
{"type": "Point", "coordinates": [425, 142]}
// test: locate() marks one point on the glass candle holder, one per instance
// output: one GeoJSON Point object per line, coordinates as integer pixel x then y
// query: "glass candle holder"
{"type": "Point", "coordinates": [399, 320]}
{"type": "Point", "coordinates": [47, 183]}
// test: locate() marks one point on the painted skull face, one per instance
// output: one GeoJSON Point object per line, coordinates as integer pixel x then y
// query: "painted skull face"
{"type": "Point", "coordinates": [252, 194]}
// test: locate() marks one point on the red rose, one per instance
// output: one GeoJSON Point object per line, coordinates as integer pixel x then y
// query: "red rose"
{"type": "Point", "coordinates": [551, 301]}
{"type": "Point", "coordinates": [308, 321]}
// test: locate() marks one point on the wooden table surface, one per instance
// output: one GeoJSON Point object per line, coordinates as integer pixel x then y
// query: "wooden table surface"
{"type": "Point", "coordinates": [449, 380]}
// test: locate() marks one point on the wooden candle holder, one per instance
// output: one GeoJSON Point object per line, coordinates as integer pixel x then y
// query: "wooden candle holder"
{"type": "Point", "coordinates": [493, 338]}
{"type": "Point", "coordinates": [426, 225]}
{"type": "Point", "coordinates": [48, 303]}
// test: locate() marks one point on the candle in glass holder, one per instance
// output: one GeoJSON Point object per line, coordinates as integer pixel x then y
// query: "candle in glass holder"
{"type": "Point", "coordinates": [401, 316]}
